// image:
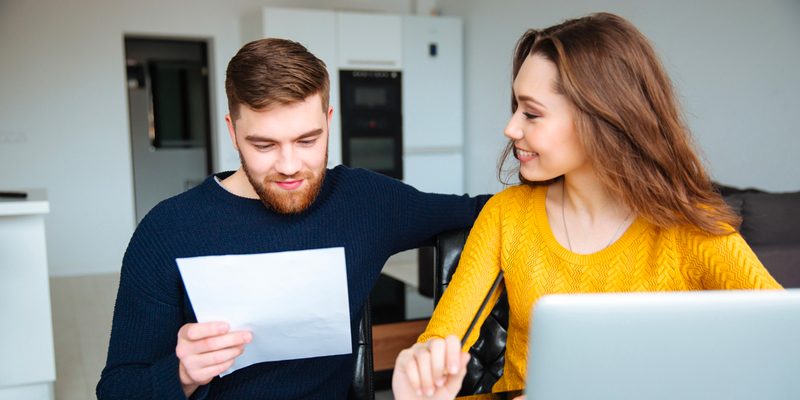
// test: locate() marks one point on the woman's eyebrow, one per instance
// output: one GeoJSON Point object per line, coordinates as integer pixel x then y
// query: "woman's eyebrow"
{"type": "Point", "coordinates": [529, 99]}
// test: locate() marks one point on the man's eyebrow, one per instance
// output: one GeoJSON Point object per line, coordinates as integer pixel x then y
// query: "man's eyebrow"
{"type": "Point", "coordinates": [254, 137]}
{"type": "Point", "coordinates": [529, 99]}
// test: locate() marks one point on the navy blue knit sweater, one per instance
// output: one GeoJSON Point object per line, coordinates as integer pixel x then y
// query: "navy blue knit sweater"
{"type": "Point", "coordinates": [371, 216]}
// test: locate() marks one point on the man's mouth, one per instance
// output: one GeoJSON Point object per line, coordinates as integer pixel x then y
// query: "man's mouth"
{"type": "Point", "coordinates": [289, 185]}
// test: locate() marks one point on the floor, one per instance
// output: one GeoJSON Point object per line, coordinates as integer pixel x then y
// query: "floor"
{"type": "Point", "coordinates": [82, 311]}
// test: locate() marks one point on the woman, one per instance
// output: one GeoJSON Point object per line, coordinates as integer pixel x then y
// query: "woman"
{"type": "Point", "coordinates": [613, 198]}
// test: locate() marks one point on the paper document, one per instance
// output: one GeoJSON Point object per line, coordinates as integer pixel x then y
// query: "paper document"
{"type": "Point", "coordinates": [295, 303]}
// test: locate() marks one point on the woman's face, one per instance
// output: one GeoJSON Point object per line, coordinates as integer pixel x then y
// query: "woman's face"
{"type": "Point", "coordinates": [542, 127]}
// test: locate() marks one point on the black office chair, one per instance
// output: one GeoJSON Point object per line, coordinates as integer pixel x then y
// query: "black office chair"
{"type": "Point", "coordinates": [361, 388]}
{"type": "Point", "coordinates": [488, 353]}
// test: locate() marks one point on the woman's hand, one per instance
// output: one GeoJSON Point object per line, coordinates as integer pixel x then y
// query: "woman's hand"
{"type": "Point", "coordinates": [431, 370]}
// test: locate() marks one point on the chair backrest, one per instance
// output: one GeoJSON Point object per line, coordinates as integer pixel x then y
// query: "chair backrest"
{"type": "Point", "coordinates": [488, 353]}
{"type": "Point", "coordinates": [361, 388]}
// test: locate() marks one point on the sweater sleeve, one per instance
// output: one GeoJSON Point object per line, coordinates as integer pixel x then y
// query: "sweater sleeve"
{"type": "Point", "coordinates": [724, 262]}
{"type": "Point", "coordinates": [424, 215]}
{"type": "Point", "coordinates": [148, 313]}
{"type": "Point", "coordinates": [479, 266]}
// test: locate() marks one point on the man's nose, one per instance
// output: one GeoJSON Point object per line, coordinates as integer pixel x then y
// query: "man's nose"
{"type": "Point", "coordinates": [288, 162]}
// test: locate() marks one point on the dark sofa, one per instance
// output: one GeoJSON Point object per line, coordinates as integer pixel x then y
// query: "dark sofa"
{"type": "Point", "coordinates": [771, 226]}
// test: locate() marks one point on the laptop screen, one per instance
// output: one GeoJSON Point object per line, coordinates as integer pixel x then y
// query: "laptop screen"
{"type": "Point", "coordinates": [667, 345]}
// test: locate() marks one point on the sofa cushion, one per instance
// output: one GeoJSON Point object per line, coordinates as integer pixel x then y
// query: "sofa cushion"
{"type": "Point", "coordinates": [771, 218]}
{"type": "Point", "coordinates": [782, 262]}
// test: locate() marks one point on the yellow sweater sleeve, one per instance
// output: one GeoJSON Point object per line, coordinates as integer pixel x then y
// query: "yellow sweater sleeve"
{"type": "Point", "coordinates": [476, 272]}
{"type": "Point", "coordinates": [723, 262]}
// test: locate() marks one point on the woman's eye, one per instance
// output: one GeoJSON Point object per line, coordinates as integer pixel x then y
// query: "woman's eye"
{"type": "Point", "coordinates": [530, 116]}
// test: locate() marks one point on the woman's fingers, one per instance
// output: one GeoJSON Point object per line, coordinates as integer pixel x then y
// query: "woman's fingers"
{"type": "Point", "coordinates": [423, 356]}
{"type": "Point", "coordinates": [423, 371]}
{"type": "Point", "coordinates": [437, 350]}
{"type": "Point", "coordinates": [407, 365]}
{"type": "Point", "coordinates": [453, 354]}
{"type": "Point", "coordinates": [454, 381]}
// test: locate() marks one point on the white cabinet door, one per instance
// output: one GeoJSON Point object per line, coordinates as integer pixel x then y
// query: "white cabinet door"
{"type": "Point", "coordinates": [370, 41]}
{"type": "Point", "coordinates": [316, 30]}
{"type": "Point", "coordinates": [435, 172]}
{"type": "Point", "coordinates": [26, 343]}
{"type": "Point", "coordinates": [433, 95]}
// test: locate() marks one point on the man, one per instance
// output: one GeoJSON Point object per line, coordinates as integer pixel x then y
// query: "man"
{"type": "Point", "coordinates": [281, 199]}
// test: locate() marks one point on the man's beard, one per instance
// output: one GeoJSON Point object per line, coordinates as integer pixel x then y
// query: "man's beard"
{"type": "Point", "coordinates": [287, 201]}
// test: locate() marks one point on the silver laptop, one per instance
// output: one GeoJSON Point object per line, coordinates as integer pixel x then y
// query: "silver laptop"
{"type": "Point", "coordinates": [668, 345]}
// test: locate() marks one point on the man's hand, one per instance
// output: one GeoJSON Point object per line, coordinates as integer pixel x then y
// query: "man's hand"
{"type": "Point", "coordinates": [207, 350]}
{"type": "Point", "coordinates": [431, 370]}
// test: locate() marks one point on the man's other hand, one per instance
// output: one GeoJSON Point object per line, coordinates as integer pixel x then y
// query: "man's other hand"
{"type": "Point", "coordinates": [207, 350]}
{"type": "Point", "coordinates": [431, 370]}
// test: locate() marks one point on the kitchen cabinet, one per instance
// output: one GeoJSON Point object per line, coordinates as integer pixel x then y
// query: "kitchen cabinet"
{"type": "Point", "coordinates": [28, 369]}
{"type": "Point", "coordinates": [369, 41]}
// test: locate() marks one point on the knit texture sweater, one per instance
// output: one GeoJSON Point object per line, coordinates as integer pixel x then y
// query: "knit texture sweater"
{"type": "Point", "coordinates": [512, 234]}
{"type": "Point", "coordinates": [368, 214]}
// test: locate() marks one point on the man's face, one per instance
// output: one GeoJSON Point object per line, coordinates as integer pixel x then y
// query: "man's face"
{"type": "Point", "coordinates": [284, 152]}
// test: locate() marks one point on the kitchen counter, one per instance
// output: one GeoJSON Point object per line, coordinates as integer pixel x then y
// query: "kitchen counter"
{"type": "Point", "coordinates": [26, 343]}
{"type": "Point", "coordinates": [35, 203]}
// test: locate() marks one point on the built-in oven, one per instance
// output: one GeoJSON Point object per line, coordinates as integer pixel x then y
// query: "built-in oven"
{"type": "Point", "coordinates": [372, 121]}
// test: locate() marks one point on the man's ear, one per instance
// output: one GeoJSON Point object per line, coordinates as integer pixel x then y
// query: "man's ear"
{"type": "Point", "coordinates": [231, 131]}
{"type": "Point", "coordinates": [330, 115]}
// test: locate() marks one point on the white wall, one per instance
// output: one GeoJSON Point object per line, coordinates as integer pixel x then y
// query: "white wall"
{"type": "Point", "coordinates": [735, 63]}
{"type": "Point", "coordinates": [64, 123]}
{"type": "Point", "coordinates": [63, 111]}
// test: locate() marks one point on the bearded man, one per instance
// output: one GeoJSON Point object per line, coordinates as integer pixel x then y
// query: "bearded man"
{"type": "Point", "coordinates": [282, 198]}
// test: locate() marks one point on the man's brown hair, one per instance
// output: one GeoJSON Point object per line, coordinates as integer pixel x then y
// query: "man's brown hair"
{"type": "Point", "coordinates": [270, 72]}
{"type": "Point", "coordinates": [628, 120]}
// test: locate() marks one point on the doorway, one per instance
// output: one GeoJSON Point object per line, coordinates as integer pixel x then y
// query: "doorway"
{"type": "Point", "coordinates": [170, 119]}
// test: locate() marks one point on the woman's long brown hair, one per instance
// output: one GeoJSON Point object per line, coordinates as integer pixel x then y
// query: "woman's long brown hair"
{"type": "Point", "coordinates": [628, 121]}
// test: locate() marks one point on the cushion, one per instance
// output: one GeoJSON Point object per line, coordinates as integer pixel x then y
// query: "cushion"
{"type": "Point", "coordinates": [782, 262]}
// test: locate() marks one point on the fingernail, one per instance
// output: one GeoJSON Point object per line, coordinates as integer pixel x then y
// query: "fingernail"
{"type": "Point", "coordinates": [429, 391]}
{"type": "Point", "coordinates": [248, 337]}
{"type": "Point", "coordinates": [223, 328]}
{"type": "Point", "coordinates": [454, 368]}
{"type": "Point", "coordinates": [440, 382]}
{"type": "Point", "coordinates": [419, 392]}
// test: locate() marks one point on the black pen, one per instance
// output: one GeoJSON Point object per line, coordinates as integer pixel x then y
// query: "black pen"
{"type": "Point", "coordinates": [483, 306]}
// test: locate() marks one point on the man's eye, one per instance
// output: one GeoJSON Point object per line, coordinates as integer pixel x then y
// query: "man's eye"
{"type": "Point", "coordinates": [307, 143]}
{"type": "Point", "coordinates": [264, 147]}
{"type": "Point", "coordinates": [530, 116]}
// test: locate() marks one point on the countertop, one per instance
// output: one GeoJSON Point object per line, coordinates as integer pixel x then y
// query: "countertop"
{"type": "Point", "coordinates": [35, 203]}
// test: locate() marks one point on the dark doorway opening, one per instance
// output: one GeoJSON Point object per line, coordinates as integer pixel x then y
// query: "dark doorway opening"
{"type": "Point", "coordinates": [169, 105]}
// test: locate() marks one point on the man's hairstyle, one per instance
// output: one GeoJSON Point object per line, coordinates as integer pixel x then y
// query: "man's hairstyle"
{"type": "Point", "coordinates": [628, 120]}
{"type": "Point", "coordinates": [270, 72]}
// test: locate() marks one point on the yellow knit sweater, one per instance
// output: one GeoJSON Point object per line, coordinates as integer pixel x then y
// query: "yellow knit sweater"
{"type": "Point", "coordinates": [512, 233]}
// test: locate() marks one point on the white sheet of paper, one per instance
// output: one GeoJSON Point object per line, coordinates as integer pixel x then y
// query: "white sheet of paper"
{"type": "Point", "coordinates": [295, 303]}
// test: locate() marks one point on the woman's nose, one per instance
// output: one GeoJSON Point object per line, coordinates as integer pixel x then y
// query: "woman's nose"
{"type": "Point", "coordinates": [513, 130]}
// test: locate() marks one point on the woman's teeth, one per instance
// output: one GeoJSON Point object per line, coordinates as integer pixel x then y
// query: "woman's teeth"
{"type": "Point", "coordinates": [526, 153]}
